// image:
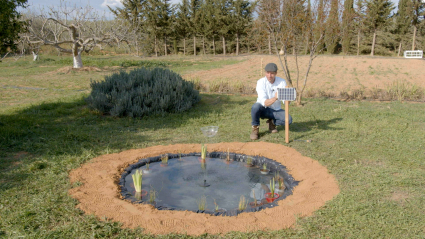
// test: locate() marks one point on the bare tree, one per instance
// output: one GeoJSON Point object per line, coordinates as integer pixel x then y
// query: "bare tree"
{"type": "Point", "coordinates": [69, 29]}
{"type": "Point", "coordinates": [288, 21]}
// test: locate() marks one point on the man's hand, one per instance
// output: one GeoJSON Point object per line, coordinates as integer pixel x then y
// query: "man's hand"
{"type": "Point", "coordinates": [270, 101]}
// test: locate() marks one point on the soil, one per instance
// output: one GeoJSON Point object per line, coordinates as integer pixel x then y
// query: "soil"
{"type": "Point", "coordinates": [99, 193]}
{"type": "Point", "coordinates": [332, 74]}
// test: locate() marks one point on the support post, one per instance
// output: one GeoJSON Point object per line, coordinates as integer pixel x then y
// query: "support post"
{"type": "Point", "coordinates": [287, 121]}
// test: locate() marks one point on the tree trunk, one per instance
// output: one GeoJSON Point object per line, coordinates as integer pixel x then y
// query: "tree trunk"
{"type": "Point", "coordinates": [237, 44]}
{"type": "Point", "coordinates": [414, 38]}
{"type": "Point", "coordinates": [165, 45]}
{"type": "Point", "coordinates": [358, 43]}
{"type": "Point", "coordinates": [137, 47]}
{"type": "Point", "coordinates": [203, 44]}
{"type": "Point", "coordinates": [247, 46]}
{"type": "Point", "coordinates": [270, 45]}
{"type": "Point", "coordinates": [194, 45]}
{"type": "Point", "coordinates": [184, 46]}
{"type": "Point", "coordinates": [156, 49]}
{"type": "Point", "coordinates": [224, 45]}
{"type": "Point", "coordinates": [399, 49]}
{"type": "Point", "coordinates": [78, 63]}
{"type": "Point", "coordinates": [35, 56]}
{"type": "Point", "coordinates": [372, 52]}
{"type": "Point", "coordinates": [213, 45]}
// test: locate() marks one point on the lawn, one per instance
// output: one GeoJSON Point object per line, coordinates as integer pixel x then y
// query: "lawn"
{"type": "Point", "coordinates": [374, 149]}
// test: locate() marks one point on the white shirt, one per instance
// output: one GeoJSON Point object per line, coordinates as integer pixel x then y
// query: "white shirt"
{"type": "Point", "coordinates": [266, 91]}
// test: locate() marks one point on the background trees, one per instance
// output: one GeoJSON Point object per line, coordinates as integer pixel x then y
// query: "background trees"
{"type": "Point", "coordinates": [377, 16]}
{"type": "Point", "coordinates": [10, 24]}
{"type": "Point", "coordinates": [69, 29]}
{"type": "Point", "coordinates": [149, 27]}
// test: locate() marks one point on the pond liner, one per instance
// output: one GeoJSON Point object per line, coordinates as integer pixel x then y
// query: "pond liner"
{"type": "Point", "coordinates": [289, 181]}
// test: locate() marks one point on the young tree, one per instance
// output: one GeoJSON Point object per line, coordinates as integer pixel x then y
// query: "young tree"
{"type": "Point", "coordinates": [347, 25]}
{"type": "Point", "coordinates": [132, 14]}
{"type": "Point", "coordinates": [240, 18]}
{"type": "Point", "coordinates": [194, 19]}
{"type": "Point", "coordinates": [223, 20]}
{"type": "Point", "coordinates": [286, 23]}
{"type": "Point", "coordinates": [332, 28]}
{"type": "Point", "coordinates": [377, 16]}
{"type": "Point", "coordinates": [158, 15]}
{"type": "Point", "coordinates": [210, 21]}
{"type": "Point", "coordinates": [402, 23]}
{"type": "Point", "coordinates": [415, 11]}
{"type": "Point", "coordinates": [10, 25]}
{"type": "Point", "coordinates": [182, 21]}
{"type": "Point", "coordinates": [360, 16]}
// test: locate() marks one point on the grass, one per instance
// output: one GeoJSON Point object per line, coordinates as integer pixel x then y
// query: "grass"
{"type": "Point", "coordinates": [374, 149]}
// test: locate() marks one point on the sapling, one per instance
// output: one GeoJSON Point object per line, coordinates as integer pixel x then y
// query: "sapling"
{"type": "Point", "coordinates": [242, 203]}
{"type": "Point", "coordinates": [137, 180]}
{"type": "Point", "coordinates": [147, 166]}
{"type": "Point", "coordinates": [264, 166]}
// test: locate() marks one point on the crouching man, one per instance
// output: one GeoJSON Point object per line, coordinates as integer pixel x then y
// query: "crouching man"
{"type": "Point", "coordinates": [267, 105]}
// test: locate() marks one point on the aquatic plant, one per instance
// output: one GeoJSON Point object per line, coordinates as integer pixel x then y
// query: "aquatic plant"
{"type": "Point", "coordinates": [272, 187]}
{"type": "Point", "coordinates": [152, 195]}
{"type": "Point", "coordinates": [202, 204]}
{"type": "Point", "coordinates": [203, 151]}
{"type": "Point", "coordinates": [137, 180]}
{"type": "Point", "coordinates": [249, 160]}
{"type": "Point", "coordinates": [242, 203]}
{"type": "Point", "coordinates": [164, 159]}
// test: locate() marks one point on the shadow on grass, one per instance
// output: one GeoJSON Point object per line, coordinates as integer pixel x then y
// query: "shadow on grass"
{"type": "Point", "coordinates": [69, 133]}
{"type": "Point", "coordinates": [316, 124]}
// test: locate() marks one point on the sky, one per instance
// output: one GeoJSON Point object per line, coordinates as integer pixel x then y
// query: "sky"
{"type": "Point", "coordinates": [99, 5]}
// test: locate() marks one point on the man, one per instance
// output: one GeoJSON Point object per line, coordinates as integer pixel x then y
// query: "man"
{"type": "Point", "coordinates": [267, 105]}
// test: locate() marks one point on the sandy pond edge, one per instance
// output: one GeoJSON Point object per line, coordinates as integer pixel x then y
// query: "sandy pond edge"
{"type": "Point", "coordinates": [99, 192]}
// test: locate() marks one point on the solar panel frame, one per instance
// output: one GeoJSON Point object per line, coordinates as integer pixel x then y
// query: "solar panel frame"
{"type": "Point", "coordinates": [289, 94]}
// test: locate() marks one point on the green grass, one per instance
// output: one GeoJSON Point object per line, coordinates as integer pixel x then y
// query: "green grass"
{"type": "Point", "coordinates": [375, 150]}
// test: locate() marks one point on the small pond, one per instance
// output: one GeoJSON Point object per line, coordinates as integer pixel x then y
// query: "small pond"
{"type": "Point", "coordinates": [220, 182]}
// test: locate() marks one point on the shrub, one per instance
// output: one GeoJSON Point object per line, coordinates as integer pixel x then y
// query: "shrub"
{"type": "Point", "coordinates": [142, 92]}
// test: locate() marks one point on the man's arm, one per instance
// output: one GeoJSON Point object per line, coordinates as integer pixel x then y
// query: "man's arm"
{"type": "Point", "coordinates": [270, 101]}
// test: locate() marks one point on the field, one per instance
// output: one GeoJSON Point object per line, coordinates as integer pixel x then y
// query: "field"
{"type": "Point", "coordinates": [375, 149]}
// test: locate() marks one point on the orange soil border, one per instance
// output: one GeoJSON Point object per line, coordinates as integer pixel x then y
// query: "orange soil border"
{"type": "Point", "coordinates": [100, 193]}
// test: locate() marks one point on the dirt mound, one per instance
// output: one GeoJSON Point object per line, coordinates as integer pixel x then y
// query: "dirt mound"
{"type": "Point", "coordinates": [68, 69]}
{"type": "Point", "coordinates": [99, 193]}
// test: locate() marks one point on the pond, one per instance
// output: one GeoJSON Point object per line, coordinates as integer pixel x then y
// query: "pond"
{"type": "Point", "coordinates": [222, 184]}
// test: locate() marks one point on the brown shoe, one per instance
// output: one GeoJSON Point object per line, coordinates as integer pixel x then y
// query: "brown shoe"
{"type": "Point", "coordinates": [255, 131]}
{"type": "Point", "coordinates": [272, 127]}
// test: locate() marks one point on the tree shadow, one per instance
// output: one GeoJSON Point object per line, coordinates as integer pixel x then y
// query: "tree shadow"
{"type": "Point", "coordinates": [317, 124]}
{"type": "Point", "coordinates": [45, 133]}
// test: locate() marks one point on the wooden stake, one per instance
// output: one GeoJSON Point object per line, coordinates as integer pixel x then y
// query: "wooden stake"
{"type": "Point", "coordinates": [287, 121]}
{"type": "Point", "coordinates": [261, 69]}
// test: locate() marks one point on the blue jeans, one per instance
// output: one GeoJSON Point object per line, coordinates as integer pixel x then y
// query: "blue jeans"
{"type": "Point", "coordinates": [258, 111]}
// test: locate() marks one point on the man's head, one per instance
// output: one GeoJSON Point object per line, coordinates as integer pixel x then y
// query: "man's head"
{"type": "Point", "coordinates": [271, 71]}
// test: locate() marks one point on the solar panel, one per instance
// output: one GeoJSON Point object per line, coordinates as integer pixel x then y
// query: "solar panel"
{"type": "Point", "coordinates": [289, 94]}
